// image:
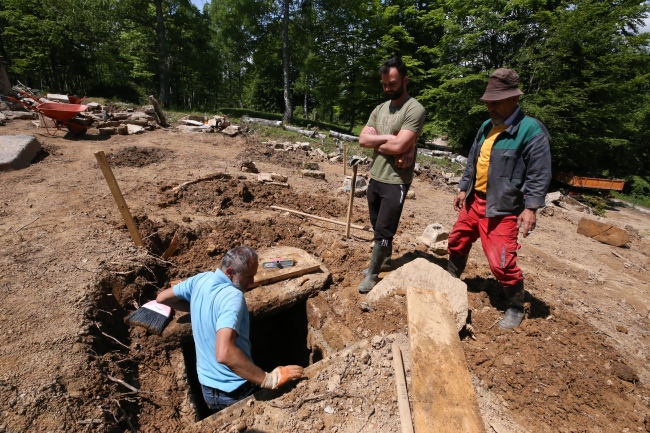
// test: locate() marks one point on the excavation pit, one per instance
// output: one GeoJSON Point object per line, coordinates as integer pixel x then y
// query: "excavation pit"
{"type": "Point", "coordinates": [276, 340]}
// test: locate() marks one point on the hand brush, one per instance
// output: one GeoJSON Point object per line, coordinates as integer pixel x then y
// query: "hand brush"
{"type": "Point", "coordinates": [151, 315]}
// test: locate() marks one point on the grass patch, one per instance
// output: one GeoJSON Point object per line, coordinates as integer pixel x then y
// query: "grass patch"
{"type": "Point", "coordinates": [641, 201]}
{"type": "Point", "coordinates": [443, 163]}
{"type": "Point", "coordinates": [297, 121]}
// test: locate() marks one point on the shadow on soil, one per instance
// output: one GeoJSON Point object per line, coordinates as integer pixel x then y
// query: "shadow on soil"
{"type": "Point", "coordinates": [494, 290]}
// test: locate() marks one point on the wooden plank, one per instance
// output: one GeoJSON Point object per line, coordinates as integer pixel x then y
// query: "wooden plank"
{"type": "Point", "coordinates": [329, 220]}
{"type": "Point", "coordinates": [443, 394]}
{"type": "Point", "coordinates": [119, 198]}
{"type": "Point", "coordinates": [402, 393]}
{"type": "Point", "coordinates": [304, 263]}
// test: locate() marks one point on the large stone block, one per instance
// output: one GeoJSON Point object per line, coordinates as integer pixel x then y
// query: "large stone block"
{"type": "Point", "coordinates": [422, 273]}
{"type": "Point", "coordinates": [17, 151]}
{"type": "Point", "coordinates": [602, 232]}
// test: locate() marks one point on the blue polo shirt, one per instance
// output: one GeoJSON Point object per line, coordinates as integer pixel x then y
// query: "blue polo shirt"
{"type": "Point", "coordinates": [215, 304]}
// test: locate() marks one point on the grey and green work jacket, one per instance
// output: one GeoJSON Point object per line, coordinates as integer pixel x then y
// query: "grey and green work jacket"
{"type": "Point", "coordinates": [519, 173]}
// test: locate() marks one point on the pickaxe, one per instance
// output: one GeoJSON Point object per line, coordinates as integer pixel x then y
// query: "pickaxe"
{"type": "Point", "coordinates": [353, 162]}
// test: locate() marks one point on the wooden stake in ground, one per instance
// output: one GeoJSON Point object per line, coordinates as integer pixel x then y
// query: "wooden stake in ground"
{"type": "Point", "coordinates": [402, 393]}
{"type": "Point", "coordinates": [119, 198]}
{"type": "Point", "coordinates": [345, 159]}
{"type": "Point", "coordinates": [159, 112]}
{"type": "Point", "coordinates": [171, 249]}
{"type": "Point", "coordinates": [352, 189]}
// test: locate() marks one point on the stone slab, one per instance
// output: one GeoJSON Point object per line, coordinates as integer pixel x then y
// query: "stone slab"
{"type": "Point", "coordinates": [605, 233]}
{"type": "Point", "coordinates": [422, 273]}
{"type": "Point", "coordinates": [312, 173]}
{"type": "Point", "coordinates": [17, 151]}
{"type": "Point", "coordinates": [21, 115]}
{"type": "Point", "coordinates": [268, 300]}
{"type": "Point", "coordinates": [443, 395]}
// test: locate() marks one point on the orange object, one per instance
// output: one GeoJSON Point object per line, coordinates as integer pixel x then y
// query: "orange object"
{"type": "Point", "coordinates": [590, 182]}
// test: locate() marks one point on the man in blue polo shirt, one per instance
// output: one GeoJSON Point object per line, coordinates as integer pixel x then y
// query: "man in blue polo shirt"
{"type": "Point", "coordinates": [221, 327]}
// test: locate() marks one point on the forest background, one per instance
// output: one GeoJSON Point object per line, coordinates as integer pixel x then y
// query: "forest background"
{"type": "Point", "coordinates": [584, 65]}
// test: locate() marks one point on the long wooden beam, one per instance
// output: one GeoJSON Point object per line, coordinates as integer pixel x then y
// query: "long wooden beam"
{"type": "Point", "coordinates": [341, 223]}
{"type": "Point", "coordinates": [443, 395]}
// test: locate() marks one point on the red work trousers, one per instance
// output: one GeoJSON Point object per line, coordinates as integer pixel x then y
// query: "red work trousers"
{"type": "Point", "coordinates": [498, 236]}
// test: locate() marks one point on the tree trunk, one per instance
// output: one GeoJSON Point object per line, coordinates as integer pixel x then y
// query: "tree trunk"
{"type": "Point", "coordinates": [163, 56]}
{"type": "Point", "coordinates": [304, 108]}
{"type": "Point", "coordinates": [288, 108]}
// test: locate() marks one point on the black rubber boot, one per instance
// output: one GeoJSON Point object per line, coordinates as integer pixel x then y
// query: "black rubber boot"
{"type": "Point", "coordinates": [379, 253]}
{"type": "Point", "coordinates": [456, 265]}
{"type": "Point", "coordinates": [515, 314]}
{"type": "Point", "coordinates": [386, 265]}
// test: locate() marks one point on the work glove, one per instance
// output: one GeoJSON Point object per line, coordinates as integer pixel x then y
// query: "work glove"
{"type": "Point", "coordinates": [281, 375]}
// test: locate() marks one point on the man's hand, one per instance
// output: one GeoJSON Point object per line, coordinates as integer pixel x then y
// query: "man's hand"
{"type": "Point", "coordinates": [459, 200]}
{"type": "Point", "coordinates": [368, 130]}
{"type": "Point", "coordinates": [281, 375]}
{"type": "Point", "coordinates": [528, 219]}
{"type": "Point", "coordinates": [405, 159]}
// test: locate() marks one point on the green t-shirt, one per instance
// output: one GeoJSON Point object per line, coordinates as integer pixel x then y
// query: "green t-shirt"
{"type": "Point", "coordinates": [387, 119]}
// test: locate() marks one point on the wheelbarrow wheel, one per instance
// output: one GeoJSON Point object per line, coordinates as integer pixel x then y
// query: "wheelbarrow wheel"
{"type": "Point", "coordinates": [76, 128]}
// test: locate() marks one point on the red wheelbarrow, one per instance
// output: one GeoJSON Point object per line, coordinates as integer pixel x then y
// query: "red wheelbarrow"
{"type": "Point", "coordinates": [61, 114]}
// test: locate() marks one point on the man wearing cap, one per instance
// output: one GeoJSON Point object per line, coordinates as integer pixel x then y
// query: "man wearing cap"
{"type": "Point", "coordinates": [506, 179]}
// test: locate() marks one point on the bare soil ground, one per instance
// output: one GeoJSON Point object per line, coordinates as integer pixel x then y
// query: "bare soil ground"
{"type": "Point", "coordinates": [69, 275]}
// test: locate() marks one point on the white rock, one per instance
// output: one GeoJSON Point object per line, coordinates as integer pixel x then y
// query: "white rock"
{"type": "Point", "coordinates": [435, 233]}
{"type": "Point", "coordinates": [361, 182]}
{"type": "Point", "coordinates": [134, 129]}
{"type": "Point", "coordinates": [422, 273]}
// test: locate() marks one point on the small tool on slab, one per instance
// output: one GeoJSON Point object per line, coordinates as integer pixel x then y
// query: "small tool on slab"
{"type": "Point", "coordinates": [279, 263]}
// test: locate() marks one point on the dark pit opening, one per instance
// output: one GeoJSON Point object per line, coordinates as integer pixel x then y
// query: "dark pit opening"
{"type": "Point", "coordinates": [280, 339]}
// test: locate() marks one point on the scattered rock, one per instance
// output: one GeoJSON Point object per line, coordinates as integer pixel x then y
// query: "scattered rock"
{"type": "Point", "coordinates": [602, 232]}
{"type": "Point", "coordinates": [360, 182]}
{"type": "Point", "coordinates": [107, 131]}
{"type": "Point", "coordinates": [377, 342]}
{"type": "Point", "coordinates": [455, 180]}
{"type": "Point", "coordinates": [625, 373]}
{"type": "Point", "coordinates": [122, 130]}
{"type": "Point", "coordinates": [440, 248]}
{"type": "Point", "coordinates": [570, 203]}
{"type": "Point", "coordinates": [410, 195]}
{"type": "Point", "coordinates": [434, 233]}
{"type": "Point", "coordinates": [20, 115]}
{"type": "Point", "coordinates": [365, 307]}
{"type": "Point", "coordinates": [134, 129]}
{"type": "Point", "coordinates": [320, 153]}
{"type": "Point", "coordinates": [17, 151]}
{"type": "Point", "coordinates": [312, 173]}
{"type": "Point", "coordinates": [309, 165]}
{"type": "Point", "coordinates": [231, 130]}
{"type": "Point", "coordinates": [622, 329]}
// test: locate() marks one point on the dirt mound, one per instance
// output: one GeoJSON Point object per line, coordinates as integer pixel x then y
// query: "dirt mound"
{"type": "Point", "coordinates": [232, 197]}
{"type": "Point", "coordinates": [136, 156]}
{"type": "Point", "coordinates": [556, 368]}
